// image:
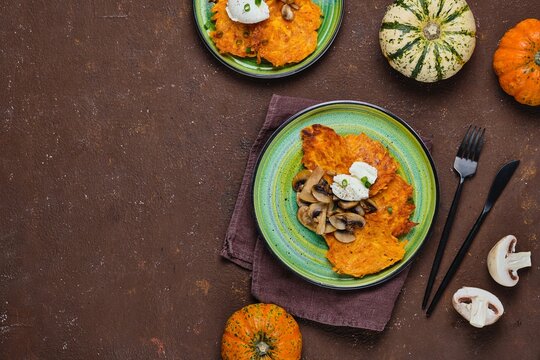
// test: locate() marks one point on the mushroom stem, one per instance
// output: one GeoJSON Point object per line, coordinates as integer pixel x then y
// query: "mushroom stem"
{"type": "Point", "coordinates": [516, 261]}
{"type": "Point", "coordinates": [479, 313]}
{"type": "Point", "coordinates": [503, 262]}
{"type": "Point", "coordinates": [478, 306]}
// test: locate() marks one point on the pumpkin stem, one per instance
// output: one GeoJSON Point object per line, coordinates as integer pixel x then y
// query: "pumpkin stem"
{"type": "Point", "coordinates": [537, 58]}
{"type": "Point", "coordinates": [262, 348]}
{"type": "Point", "coordinates": [432, 31]}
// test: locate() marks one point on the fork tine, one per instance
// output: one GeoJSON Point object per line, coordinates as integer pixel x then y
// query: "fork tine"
{"type": "Point", "coordinates": [464, 142]}
{"type": "Point", "coordinates": [473, 143]}
{"type": "Point", "coordinates": [470, 145]}
{"type": "Point", "coordinates": [479, 145]}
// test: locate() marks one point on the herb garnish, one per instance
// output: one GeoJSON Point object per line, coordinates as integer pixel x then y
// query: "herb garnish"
{"type": "Point", "coordinates": [365, 181]}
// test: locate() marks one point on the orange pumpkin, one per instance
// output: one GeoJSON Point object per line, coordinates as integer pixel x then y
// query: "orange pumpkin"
{"type": "Point", "coordinates": [261, 332]}
{"type": "Point", "coordinates": [517, 62]}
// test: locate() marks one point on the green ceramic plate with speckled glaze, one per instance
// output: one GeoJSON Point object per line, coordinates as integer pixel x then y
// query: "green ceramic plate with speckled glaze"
{"type": "Point", "coordinates": [332, 15]}
{"type": "Point", "coordinates": [300, 249]}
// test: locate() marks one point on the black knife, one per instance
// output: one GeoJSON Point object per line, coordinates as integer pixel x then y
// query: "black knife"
{"type": "Point", "coordinates": [499, 183]}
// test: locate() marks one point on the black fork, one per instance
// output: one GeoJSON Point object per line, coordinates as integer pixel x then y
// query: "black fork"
{"type": "Point", "coordinates": [465, 165]}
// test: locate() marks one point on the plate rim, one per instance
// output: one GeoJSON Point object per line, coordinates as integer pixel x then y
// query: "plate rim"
{"type": "Point", "coordinates": [267, 76]}
{"type": "Point", "coordinates": [417, 137]}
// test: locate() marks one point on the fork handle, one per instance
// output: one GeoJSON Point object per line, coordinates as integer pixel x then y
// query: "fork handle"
{"type": "Point", "coordinates": [442, 242]}
{"type": "Point", "coordinates": [457, 261]}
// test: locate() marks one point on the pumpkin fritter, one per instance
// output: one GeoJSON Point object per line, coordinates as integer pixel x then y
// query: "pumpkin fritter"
{"type": "Point", "coordinates": [374, 249]}
{"type": "Point", "coordinates": [395, 206]}
{"type": "Point", "coordinates": [277, 40]}
{"type": "Point", "coordinates": [376, 245]}
{"type": "Point", "coordinates": [325, 148]}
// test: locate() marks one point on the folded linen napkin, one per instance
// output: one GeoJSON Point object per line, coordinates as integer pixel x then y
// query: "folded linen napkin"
{"type": "Point", "coordinates": [272, 282]}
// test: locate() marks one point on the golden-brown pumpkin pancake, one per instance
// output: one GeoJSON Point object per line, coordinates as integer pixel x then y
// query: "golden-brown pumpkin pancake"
{"type": "Point", "coordinates": [282, 42]}
{"type": "Point", "coordinates": [374, 249]}
{"type": "Point", "coordinates": [376, 245]}
{"type": "Point", "coordinates": [323, 147]}
{"type": "Point", "coordinates": [277, 40]}
{"type": "Point", "coordinates": [395, 207]}
{"type": "Point", "coordinates": [231, 37]}
{"type": "Point", "coordinates": [362, 148]}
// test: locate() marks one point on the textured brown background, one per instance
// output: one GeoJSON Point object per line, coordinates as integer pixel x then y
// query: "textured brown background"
{"type": "Point", "coordinates": [123, 144]}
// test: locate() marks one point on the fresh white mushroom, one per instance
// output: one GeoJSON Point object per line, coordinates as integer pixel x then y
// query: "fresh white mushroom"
{"type": "Point", "coordinates": [503, 262]}
{"type": "Point", "coordinates": [479, 307]}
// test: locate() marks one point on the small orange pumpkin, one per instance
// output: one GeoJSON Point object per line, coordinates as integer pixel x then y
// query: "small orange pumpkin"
{"type": "Point", "coordinates": [517, 62]}
{"type": "Point", "coordinates": [261, 332]}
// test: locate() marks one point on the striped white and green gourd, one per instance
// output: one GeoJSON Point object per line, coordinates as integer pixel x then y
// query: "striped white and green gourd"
{"type": "Point", "coordinates": [428, 40]}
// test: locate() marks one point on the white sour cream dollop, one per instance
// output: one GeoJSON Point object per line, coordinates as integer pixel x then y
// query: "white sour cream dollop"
{"type": "Point", "coordinates": [360, 169]}
{"type": "Point", "coordinates": [247, 12]}
{"type": "Point", "coordinates": [351, 187]}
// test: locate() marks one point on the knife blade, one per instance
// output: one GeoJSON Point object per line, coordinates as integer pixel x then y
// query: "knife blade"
{"type": "Point", "coordinates": [499, 183]}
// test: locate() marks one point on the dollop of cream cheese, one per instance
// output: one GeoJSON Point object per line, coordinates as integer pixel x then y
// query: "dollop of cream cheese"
{"type": "Point", "coordinates": [247, 12]}
{"type": "Point", "coordinates": [351, 187]}
{"type": "Point", "coordinates": [359, 169]}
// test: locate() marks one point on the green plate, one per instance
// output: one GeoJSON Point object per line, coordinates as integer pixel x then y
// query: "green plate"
{"type": "Point", "coordinates": [300, 249]}
{"type": "Point", "coordinates": [332, 11]}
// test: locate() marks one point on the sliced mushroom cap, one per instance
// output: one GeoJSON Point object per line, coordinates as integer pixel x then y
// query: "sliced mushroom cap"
{"type": "Point", "coordinates": [315, 209]}
{"type": "Point", "coordinates": [330, 208]}
{"type": "Point", "coordinates": [346, 205]}
{"type": "Point", "coordinates": [287, 12]}
{"type": "Point", "coordinates": [305, 218]}
{"type": "Point", "coordinates": [503, 262]}
{"type": "Point", "coordinates": [329, 228]}
{"type": "Point", "coordinates": [369, 206]}
{"type": "Point", "coordinates": [300, 202]}
{"type": "Point", "coordinates": [322, 192]}
{"type": "Point", "coordinates": [338, 221]}
{"type": "Point", "coordinates": [314, 178]}
{"type": "Point", "coordinates": [359, 210]}
{"type": "Point", "coordinates": [354, 220]}
{"type": "Point", "coordinates": [344, 236]}
{"type": "Point", "coordinates": [300, 179]}
{"type": "Point", "coordinates": [479, 307]}
{"type": "Point", "coordinates": [347, 221]}
{"type": "Point", "coordinates": [321, 222]}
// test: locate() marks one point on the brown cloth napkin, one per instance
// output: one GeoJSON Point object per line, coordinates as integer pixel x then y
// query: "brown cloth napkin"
{"type": "Point", "coordinates": [272, 282]}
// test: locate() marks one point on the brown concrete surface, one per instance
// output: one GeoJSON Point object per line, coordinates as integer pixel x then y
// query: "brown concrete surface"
{"type": "Point", "coordinates": [123, 143]}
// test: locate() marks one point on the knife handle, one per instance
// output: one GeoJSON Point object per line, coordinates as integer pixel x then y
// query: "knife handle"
{"type": "Point", "coordinates": [457, 261]}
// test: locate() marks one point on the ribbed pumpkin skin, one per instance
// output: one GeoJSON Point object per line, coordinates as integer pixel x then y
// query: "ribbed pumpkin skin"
{"type": "Point", "coordinates": [517, 62]}
{"type": "Point", "coordinates": [271, 323]}
{"type": "Point", "coordinates": [428, 40]}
